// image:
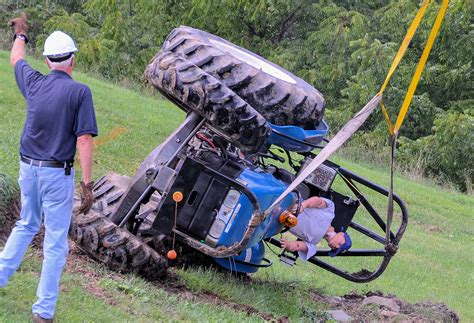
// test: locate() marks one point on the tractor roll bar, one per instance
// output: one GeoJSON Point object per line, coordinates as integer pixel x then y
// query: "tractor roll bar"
{"type": "Point", "coordinates": [349, 176]}
{"type": "Point", "coordinates": [391, 247]}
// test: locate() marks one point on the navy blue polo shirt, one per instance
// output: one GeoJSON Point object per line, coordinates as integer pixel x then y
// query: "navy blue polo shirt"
{"type": "Point", "coordinates": [58, 110]}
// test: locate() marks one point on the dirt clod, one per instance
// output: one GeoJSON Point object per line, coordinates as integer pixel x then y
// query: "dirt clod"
{"type": "Point", "coordinates": [382, 302]}
{"type": "Point", "coordinates": [374, 305]}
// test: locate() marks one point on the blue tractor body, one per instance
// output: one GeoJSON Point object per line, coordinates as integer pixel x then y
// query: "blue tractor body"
{"type": "Point", "coordinates": [221, 215]}
{"type": "Point", "coordinates": [266, 189]}
{"type": "Point", "coordinates": [234, 216]}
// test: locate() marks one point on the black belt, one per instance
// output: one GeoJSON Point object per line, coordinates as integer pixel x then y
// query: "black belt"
{"type": "Point", "coordinates": [49, 163]}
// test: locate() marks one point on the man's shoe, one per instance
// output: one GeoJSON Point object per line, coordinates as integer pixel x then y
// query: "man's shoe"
{"type": "Point", "coordinates": [38, 319]}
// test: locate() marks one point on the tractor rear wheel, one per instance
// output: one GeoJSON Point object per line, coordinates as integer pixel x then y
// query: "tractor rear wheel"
{"type": "Point", "coordinates": [192, 88]}
{"type": "Point", "coordinates": [279, 96]}
{"type": "Point", "coordinates": [116, 247]}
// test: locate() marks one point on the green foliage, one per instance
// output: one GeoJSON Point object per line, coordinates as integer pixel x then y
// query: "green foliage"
{"type": "Point", "coordinates": [343, 48]}
{"type": "Point", "coordinates": [449, 152]}
{"type": "Point", "coordinates": [369, 146]}
{"type": "Point", "coordinates": [8, 190]}
{"type": "Point", "coordinates": [453, 143]}
{"type": "Point", "coordinates": [419, 122]}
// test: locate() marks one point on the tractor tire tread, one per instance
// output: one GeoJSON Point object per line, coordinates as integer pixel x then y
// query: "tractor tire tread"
{"type": "Point", "coordinates": [192, 88]}
{"type": "Point", "coordinates": [279, 102]}
{"type": "Point", "coordinates": [116, 247]}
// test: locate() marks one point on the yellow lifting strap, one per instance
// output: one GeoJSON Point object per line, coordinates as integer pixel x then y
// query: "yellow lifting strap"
{"type": "Point", "coordinates": [391, 248]}
{"type": "Point", "coordinates": [348, 130]}
{"type": "Point", "coordinates": [404, 45]}
{"type": "Point", "coordinates": [421, 64]}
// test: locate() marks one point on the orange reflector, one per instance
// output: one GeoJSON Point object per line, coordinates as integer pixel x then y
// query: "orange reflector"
{"type": "Point", "coordinates": [171, 255]}
{"type": "Point", "coordinates": [288, 219]}
{"type": "Point", "coordinates": [177, 196]}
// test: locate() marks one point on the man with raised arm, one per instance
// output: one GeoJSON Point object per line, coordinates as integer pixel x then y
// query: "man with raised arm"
{"type": "Point", "coordinates": [60, 117]}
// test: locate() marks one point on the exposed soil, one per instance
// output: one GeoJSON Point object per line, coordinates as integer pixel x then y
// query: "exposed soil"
{"type": "Point", "coordinates": [80, 264]}
{"type": "Point", "coordinates": [8, 217]}
{"type": "Point", "coordinates": [353, 304]}
{"type": "Point", "coordinates": [173, 285]}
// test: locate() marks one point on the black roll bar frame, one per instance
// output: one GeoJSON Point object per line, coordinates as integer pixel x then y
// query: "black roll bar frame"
{"type": "Point", "coordinates": [387, 253]}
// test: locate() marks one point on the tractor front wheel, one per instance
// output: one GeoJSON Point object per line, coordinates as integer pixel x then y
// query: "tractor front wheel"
{"type": "Point", "coordinates": [104, 241]}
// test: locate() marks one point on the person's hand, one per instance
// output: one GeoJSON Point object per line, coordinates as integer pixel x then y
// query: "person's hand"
{"type": "Point", "coordinates": [288, 245]}
{"type": "Point", "coordinates": [295, 209]}
{"type": "Point", "coordinates": [20, 24]}
{"type": "Point", "coordinates": [337, 240]}
{"type": "Point", "coordinates": [87, 198]}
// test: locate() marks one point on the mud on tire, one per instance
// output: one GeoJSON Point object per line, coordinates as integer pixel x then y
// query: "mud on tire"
{"type": "Point", "coordinates": [192, 88]}
{"type": "Point", "coordinates": [101, 239]}
{"type": "Point", "coordinates": [279, 96]}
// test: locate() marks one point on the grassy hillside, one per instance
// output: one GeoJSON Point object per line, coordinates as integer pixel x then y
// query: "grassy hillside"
{"type": "Point", "coordinates": [434, 262]}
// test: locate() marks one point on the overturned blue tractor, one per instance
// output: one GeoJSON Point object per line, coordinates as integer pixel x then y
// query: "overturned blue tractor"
{"type": "Point", "coordinates": [204, 190]}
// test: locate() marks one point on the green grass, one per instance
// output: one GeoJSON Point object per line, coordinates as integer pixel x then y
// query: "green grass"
{"type": "Point", "coordinates": [435, 261]}
{"type": "Point", "coordinates": [116, 298]}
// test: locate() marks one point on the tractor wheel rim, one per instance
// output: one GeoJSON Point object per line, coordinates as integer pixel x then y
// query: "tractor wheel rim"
{"type": "Point", "coordinates": [254, 61]}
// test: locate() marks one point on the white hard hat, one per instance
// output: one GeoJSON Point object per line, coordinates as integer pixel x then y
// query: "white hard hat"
{"type": "Point", "coordinates": [58, 43]}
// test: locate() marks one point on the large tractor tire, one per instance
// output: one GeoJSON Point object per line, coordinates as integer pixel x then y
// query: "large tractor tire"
{"type": "Point", "coordinates": [281, 97]}
{"type": "Point", "coordinates": [101, 239]}
{"type": "Point", "coordinates": [192, 88]}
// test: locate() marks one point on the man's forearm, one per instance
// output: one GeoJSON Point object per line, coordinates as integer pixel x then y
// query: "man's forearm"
{"type": "Point", "coordinates": [314, 202]}
{"type": "Point", "coordinates": [301, 246]}
{"type": "Point", "coordinates": [18, 51]}
{"type": "Point", "coordinates": [296, 246]}
{"type": "Point", "coordinates": [85, 146]}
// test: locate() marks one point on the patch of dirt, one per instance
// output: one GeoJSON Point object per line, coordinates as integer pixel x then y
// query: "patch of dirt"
{"type": "Point", "coordinates": [352, 304]}
{"type": "Point", "coordinates": [173, 285]}
{"type": "Point", "coordinates": [8, 217]}
{"type": "Point", "coordinates": [79, 263]}
{"type": "Point", "coordinates": [110, 136]}
{"type": "Point", "coordinates": [429, 227]}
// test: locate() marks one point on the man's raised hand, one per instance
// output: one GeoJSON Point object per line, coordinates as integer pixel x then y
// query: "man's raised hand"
{"type": "Point", "coordinates": [20, 24]}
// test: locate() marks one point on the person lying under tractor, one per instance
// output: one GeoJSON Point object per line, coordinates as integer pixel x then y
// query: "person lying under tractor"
{"type": "Point", "coordinates": [314, 224]}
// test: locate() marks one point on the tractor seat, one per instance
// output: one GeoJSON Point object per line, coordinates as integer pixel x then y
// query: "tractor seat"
{"type": "Point", "coordinates": [292, 138]}
{"type": "Point", "coordinates": [345, 209]}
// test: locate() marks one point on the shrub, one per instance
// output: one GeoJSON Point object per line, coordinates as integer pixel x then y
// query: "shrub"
{"type": "Point", "coordinates": [8, 190]}
{"type": "Point", "coordinates": [448, 154]}
{"type": "Point", "coordinates": [9, 206]}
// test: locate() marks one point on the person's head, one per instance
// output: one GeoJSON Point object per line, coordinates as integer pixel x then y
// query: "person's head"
{"type": "Point", "coordinates": [59, 49]}
{"type": "Point", "coordinates": [341, 242]}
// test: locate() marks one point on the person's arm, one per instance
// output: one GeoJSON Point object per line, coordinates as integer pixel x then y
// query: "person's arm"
{"type": "Point", "coordinates": [20, 26]}
{"type": "Point", "coordinates": [314, 202]}
{"type": "Point", "coordinates": [18, 51]}
{"type": "Point", "coordinates": [85, 147]}
{"type": "Point", "coordinates": [293, 245]}
{"type": "Point", "coordinates": [305, 249]}
{"type": "Point", "coordinates": [85, 127]}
